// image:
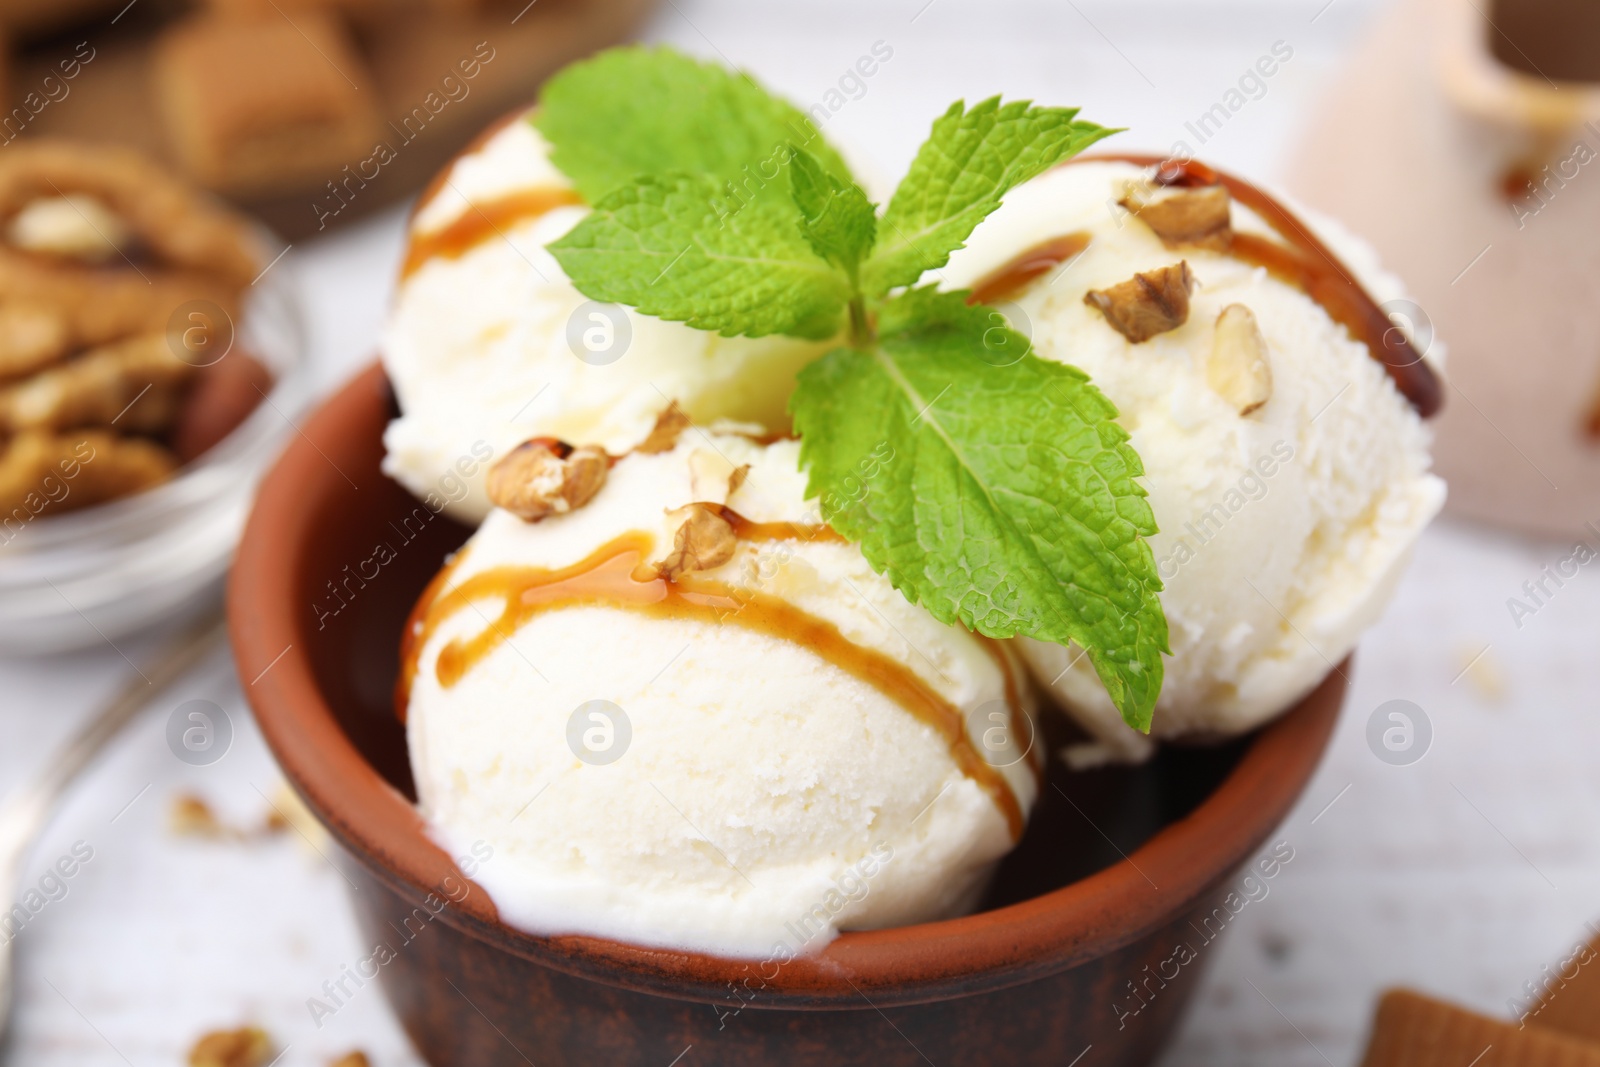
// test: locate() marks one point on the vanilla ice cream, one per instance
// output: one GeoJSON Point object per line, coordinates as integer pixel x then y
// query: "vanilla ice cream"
{"type": "Point", "coordinates": [744, 761]}
{"type": "Point", "coordinates": [489, 344]}
{"type": "Point", "coordinates": [1283, 530]}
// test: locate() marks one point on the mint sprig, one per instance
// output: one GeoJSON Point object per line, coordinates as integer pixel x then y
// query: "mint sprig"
{"type": "Point", "coordinates": [835, 216]}
{"type": "Point", "coordinates": [973, 158]}
{"type": "Point", "coordinates": [669, 246]}
{"type": "Point", "coordinates": [633, 111]}
{"type": "Point", "coordinates": [1012, 504]}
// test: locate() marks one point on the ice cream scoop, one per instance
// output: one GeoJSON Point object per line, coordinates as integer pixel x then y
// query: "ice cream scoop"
{"type": "Point", "coordinates": [682, 712]}
{"type": "Point", "coordinates": [1287, 468]}
{"type": "Point", "coordinates": [488, 343]}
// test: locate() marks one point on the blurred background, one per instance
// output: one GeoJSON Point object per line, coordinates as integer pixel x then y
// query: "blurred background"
{"type": "Point", "coordinates": [1464, 869]}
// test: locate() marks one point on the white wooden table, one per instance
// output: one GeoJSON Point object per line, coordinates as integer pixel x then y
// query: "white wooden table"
{"type": "Point", "coordinates": [1462, 873]}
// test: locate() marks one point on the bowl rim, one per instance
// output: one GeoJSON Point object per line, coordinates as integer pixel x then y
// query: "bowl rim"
{"type": "Point", "coordinates": [1155, 886]}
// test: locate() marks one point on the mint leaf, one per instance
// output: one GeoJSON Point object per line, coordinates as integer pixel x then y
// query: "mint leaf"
{"type": "Point", "coordinates": [635, 111]}
{"type": "Point", "coordinates": [836, 216]}
{"type": "Point", "coordinates": [675, 247]}
{"type": "Point", "coordinates": [967, 164]}
{"type": "Point", "coordinates": [997, 492]}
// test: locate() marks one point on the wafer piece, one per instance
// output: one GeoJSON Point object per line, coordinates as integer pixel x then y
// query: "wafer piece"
{"type": "Point", "coordinates": [250, 103]}
{"type": "Point", "coordinates": [1412, 1030]}
{"type": "Point", "coordinates": [179, 226]}
{"type": "Point", "coordinates": [1571, 1000]}
{"type": "Point", "coordinates": [136, 385]}
{"type": "Point", "coordinates": [31, 338]}
{"type": "Point", "coordinates": [44, 473]}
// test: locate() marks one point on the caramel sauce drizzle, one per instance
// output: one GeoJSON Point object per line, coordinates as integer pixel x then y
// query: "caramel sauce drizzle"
{"type": "Point", "coordinates": [1011, 278]}
{"type": "Point", "coordinates": [1304, 261]}
{"type": "Point", "coordinates": [416, 632]}
{"type": "Point", "coordinates": [1020, 726]}
{"type": "Point", "coordinates": [750, 530]}
{"type": "Point", "coordinates": [479, 222]}
{"type": "Point", "coordinates": [618, 575]}
{"type": "Point", "coordinates": [1300, 260]}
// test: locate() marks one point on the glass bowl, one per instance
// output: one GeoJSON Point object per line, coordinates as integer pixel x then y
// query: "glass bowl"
{"type": "Point", "coordinates": [85, 577]}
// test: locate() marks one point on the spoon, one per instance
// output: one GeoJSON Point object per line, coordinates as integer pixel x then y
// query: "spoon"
{"type": "Point", "coordinates": [27, 810]}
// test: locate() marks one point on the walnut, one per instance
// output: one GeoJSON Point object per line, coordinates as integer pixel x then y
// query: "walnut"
{"type": "Point", "coordinates": [705, 540]}
{"type": "Point", "coordinates": [248, 1046]}
{"type": "Point", "coordinates": [1238, 368]}
{"type": "Point", "coordinates": [95, 465]}
{"type": "Point", "coordinates": [664, 436]}
{"type": "Point", "coordinates": [713, 476]}
{"type": "Point", "coordinates": [1146, 304]}
{"type": "Point", "coordinates": [191, 816]}
{"type": "Point", "coordinates": [1197, 216]}
{"type": "Point", "coordinates": [545, 477]}
{"type": "Point", "coordinates": [75, 226]}
{"type": "Point", "coordinates": [136, 385]}
{"type": "Point", "coordinates": [31, 338]}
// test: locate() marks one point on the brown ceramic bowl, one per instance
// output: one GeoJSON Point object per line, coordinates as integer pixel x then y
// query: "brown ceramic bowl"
{"type": "Point", "coordinates": [1117, 870]}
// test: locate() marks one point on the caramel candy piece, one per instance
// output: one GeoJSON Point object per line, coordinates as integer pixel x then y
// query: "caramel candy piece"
{"type": "Point", "coordinates": [1412, 1030]}
{"type": "Point", "coordinates": [253, 103]}
{"type": "Point", "coordinates": [1147, 304]}
{"type": "Point", "coordinates": [545, 477]}
{"type": "Point", "coordinates": [1570, 1003]}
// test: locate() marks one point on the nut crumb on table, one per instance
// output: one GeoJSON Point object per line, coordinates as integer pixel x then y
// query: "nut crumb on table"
{"type": "Point", "coordinates": [248, 1046]}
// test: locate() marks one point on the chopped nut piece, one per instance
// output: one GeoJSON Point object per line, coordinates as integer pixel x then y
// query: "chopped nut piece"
{"type": "Point", "coordinates": [135, 384]}
{"type": "Point", "coordinates": [248, 1046]}
{"type": "Point", "coordinates": [180, 226]}
{"type": "Point", "coordinates": [352, 1059]}
{"type": "Point", "coordinates": [1146, 304]}
{"type": "Point", "coordinates": [191, 816]}
{"type": "Point", "coordinates": [713, 477]}
{"type": "Point", "coordinates": [40, 471]}
{"type": "Point", "coordinates": [704, 540]}
{"type": "Point", "coordinates": [664, 437]}
{"type": "Point", "coordinates": [31, 338]}
{"type": "Point", "coordinates": [1481, 667]}
{"type": "Point", "coordinates": [545, 477]}
{"type": "Point", "coordinates": [75, 226]}
{"type": "Point", "coordinates": [1238, 368]}
{"type": "Point", "coordinates": [1181, 215]}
